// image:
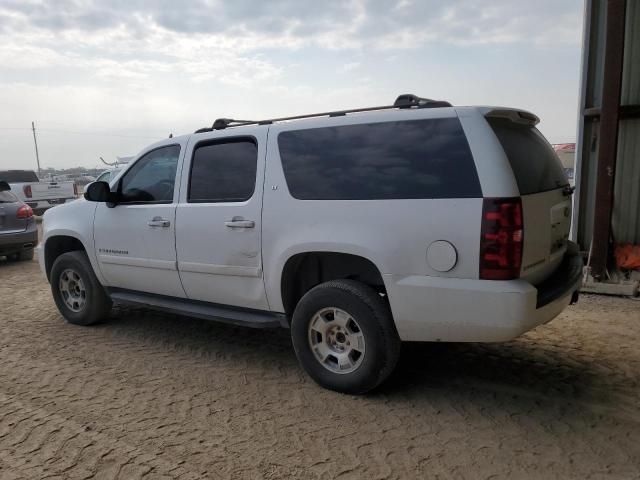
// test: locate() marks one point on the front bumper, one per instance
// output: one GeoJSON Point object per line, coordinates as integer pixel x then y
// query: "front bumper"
{"type": "Point", "coordinates": [11, 243]}
{"type": "Point", "coordinates": [466, 310]}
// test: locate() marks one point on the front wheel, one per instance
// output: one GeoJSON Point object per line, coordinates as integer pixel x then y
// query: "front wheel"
{"type": "Point", "coordinates": [344, 336]}
{"type": "Point", "coordinates": [76, 290]}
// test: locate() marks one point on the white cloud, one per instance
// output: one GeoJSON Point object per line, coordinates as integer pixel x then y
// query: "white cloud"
{"type": "Point", "coordinates": [148, 64]}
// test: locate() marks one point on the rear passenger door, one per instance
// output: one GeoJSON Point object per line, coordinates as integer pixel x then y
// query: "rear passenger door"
{"type": "Point", "coordinates": [218, 219]}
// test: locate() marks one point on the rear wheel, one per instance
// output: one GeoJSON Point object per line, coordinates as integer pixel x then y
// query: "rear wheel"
{"type": "Point", "coordinates": [76, 290]}
{"type": "Point", "coordinates": [344, 336]}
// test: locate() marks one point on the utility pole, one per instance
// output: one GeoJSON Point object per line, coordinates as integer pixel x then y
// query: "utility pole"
{"type": "Point", "coordinates": [35, 142]}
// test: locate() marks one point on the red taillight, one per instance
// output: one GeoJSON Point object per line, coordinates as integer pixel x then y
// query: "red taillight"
{"type": "Point", "coordinates": [25, 211]}
{"type": "Point", "coordinates": [27, 191]}
{"type": "Point", "coordinates": [501, 239]}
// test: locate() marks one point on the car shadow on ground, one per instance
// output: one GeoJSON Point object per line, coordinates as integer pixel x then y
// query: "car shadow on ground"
{"type": "Point", "coordinates": [540, 374]}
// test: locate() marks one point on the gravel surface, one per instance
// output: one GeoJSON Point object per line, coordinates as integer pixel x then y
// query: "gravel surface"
{"type": "Point", "coordinates": [161, 396]}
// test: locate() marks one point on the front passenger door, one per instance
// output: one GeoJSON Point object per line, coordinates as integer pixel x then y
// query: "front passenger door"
{"type": "Point", "coordinates": [135, 240]}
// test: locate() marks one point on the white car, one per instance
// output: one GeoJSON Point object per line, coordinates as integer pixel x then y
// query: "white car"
{"type": "Point", "coordinates": [356, 229]}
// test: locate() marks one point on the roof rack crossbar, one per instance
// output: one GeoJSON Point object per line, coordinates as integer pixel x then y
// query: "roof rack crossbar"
{"type": "Point", "coordinates": [403, 101]}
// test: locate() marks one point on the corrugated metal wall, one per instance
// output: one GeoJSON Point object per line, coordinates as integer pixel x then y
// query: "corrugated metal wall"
{"type": "Point", "coordinates": [631, 70]}
{"type": "Point", "coordinates": [625, 218]}
{"type": "Point", "coordinates": [588, 129]}
{"type": "Point", "coordinates": [625, 221]}
{"type": "Point", "coordinates": [626, 208]}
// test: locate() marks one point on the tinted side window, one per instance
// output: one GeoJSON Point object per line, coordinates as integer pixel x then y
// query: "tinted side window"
{"type": "Point", "coordinates": [223, 171]}
{"type": "Point", "coordinates": [391, 160]}
{"type": "Point", "coordinates": [104, 177]}
{"type": "Point", "coordinates": [152, 178]}
{"type": "Point", "coordinates": [535, 165]}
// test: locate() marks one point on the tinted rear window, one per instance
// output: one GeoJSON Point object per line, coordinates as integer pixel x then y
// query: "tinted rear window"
{"type": "Point", "coordinates": [534, 163]}
{"type": "Point", "coordinates": [391, 160]}
{"type": "Point", "coordinates": [18, 176]}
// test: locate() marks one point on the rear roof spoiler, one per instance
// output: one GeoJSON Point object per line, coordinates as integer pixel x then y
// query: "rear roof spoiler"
{"type": "Point", "coordinates": [517, 116]}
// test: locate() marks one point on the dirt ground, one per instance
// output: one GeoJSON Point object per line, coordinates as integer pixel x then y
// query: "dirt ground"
{"type": "Point", "coordinates": [160, 396]}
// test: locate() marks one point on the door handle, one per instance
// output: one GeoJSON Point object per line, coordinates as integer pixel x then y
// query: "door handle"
{"type": "Point", "coordinates": [239, 222]}
{"type": "Point", "coordinates": [159, 222]}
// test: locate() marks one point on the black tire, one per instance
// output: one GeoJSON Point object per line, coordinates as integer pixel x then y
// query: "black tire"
{"type": "Point", "coordinates": [374, 320]}
{"type": "Point", "coordinates": [26, 255]}
{"type": "Point", "coordinates": [97, 303]}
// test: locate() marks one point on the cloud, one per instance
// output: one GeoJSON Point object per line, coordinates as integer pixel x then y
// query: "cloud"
{"type": "Point", "coordinates": [205, 39]}
{"type": "Point", "coordinates": [180, 63]}
{"type": "Point", "coordinates": [290, 23]}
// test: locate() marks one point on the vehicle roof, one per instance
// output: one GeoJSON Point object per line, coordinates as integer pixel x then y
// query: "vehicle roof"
{"type": "Point", "coordinates": [515, 114]}
{"type": "Point", "coordinates": [446, 111]}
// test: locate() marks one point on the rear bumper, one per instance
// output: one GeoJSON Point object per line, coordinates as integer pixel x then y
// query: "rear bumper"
{"type": "Point", "coordinates": [464, 310]}
{"type": "Point", "coordinates": [11, 243]}
{"type": "Point", "coordinates": [563, 280]}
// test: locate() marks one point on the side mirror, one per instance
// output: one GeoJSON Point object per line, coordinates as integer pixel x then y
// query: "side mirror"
{"type": "Point", "coordinates": [4, 186]}
{"type": "Point", "coordinates": [98, 192]}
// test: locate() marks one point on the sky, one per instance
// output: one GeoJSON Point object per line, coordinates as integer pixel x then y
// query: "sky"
{"type": "Point", "coordinates": [107, 78]}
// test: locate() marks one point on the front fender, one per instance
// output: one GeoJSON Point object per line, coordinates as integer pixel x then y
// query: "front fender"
{"type": "Point", "coordinates": [73, 220]}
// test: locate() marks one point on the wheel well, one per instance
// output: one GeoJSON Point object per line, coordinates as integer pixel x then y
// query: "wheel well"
{"type": "Point", "coordinates": [58, 245]}
{"type": "Point", "coordinates": [304, 271]}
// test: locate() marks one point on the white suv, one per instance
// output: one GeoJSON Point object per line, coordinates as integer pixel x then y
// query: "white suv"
{"type": "Point", "coordinates": [356, 229]}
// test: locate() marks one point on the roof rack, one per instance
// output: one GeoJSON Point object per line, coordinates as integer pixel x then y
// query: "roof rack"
{"type": "Point", "coordinates": [403, 101]}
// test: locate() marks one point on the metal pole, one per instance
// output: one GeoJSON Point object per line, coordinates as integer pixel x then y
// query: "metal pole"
{"type": "Point", "coordinates": [608, 148]}
{"type": "Point", "coordinates": [35, 142]}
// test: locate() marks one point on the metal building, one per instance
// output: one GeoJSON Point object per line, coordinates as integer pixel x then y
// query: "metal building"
{"type": "Point", "coordinates": [607, 199]}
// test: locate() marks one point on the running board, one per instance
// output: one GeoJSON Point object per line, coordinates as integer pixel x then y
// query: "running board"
{"type": "Point", "coordinates": [207, 311]}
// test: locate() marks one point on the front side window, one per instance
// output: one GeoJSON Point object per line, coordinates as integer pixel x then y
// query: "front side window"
{"type": "Point", "coordinates": [392, 160]}
{"type": "Point", "coordinates": [223, 171]}
{"type": "Point", "coordinates": [152, 178]}
{"type": "Point", "coordinates": [104, 177]}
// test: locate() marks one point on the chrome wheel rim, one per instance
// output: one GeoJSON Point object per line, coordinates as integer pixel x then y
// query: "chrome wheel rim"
{"type": "Point", "coordinates": [72, 289]}
{"type": "Point", "coordinates": [336, 340]}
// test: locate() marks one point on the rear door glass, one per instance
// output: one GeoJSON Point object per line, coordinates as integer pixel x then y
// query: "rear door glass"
{"type": "Point", "coordinates": [535, 164]}
{"type": "Point", "coordinates": [223, 171]}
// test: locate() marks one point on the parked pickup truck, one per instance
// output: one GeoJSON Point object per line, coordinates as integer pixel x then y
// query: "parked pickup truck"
{"type": "Point", "coordinates": [39, 195]}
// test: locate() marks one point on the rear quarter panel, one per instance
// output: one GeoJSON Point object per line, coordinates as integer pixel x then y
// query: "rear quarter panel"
{"type": "Point", "coordinates": [393, 234]}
